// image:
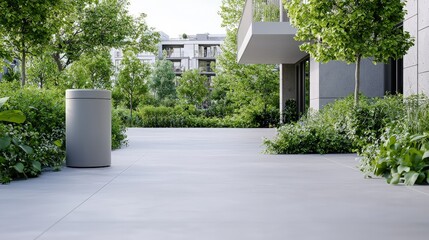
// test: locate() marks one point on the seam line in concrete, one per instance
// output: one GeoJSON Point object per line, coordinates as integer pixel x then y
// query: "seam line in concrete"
{"type": "Point", "coordinates": [347, 166]}
{"type": "Point", "coordinates": [339, 163]}
{"type": "Point", "coordinates": [87, 199]}
{"type": "Point", "coordinates": [418, 191]}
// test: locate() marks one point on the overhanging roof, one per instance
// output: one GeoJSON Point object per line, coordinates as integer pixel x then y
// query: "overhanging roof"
{"type": "Point", "coordinates": [269, 43]}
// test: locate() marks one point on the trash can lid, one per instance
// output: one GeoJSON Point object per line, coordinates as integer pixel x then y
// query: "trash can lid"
{"type": "Point", "coordinates": [88, 94]}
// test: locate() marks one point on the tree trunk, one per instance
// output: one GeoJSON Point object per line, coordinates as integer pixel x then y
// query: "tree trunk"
{"type": "Point", "coordinates": [57, 60]}
{"type": "Point", "coordinates": [357, 80]}
{"type": "Point", "coordinates": [23, 68]}
{"type": "Point", "coordinates": [131, 110]}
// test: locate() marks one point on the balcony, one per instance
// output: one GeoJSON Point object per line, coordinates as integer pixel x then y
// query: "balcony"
{"type": "Point", "coordinates": [264, 39]}
{"type": "Point", "coordinates": [209, 52]}
{"type": "Point", "coordinates": [174, 52]}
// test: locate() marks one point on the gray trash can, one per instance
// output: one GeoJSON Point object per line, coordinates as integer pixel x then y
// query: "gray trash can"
{"type": "Point", "coordinates": [88, 128]}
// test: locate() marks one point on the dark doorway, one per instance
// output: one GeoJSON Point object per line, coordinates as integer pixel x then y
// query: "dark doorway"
{"type": "Point", "coordinates": [303, 85]}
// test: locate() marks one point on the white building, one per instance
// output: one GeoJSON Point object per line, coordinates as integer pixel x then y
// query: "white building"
{"type": "Point", "coordinates": [186, 52]}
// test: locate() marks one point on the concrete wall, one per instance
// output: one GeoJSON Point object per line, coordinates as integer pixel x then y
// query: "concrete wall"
{"type": "Point", "coordinates": [335, 80]}
{"type": "Point", "coordinates": [416, 62]}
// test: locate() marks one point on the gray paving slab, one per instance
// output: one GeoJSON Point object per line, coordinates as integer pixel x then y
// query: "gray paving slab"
{"type": "Point", "coordinates": [212, 184]}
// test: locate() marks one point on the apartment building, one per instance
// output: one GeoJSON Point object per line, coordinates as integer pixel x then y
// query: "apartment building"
{"type": "Point", "coordinates": [265, 36]}
{"type": "Point", "coordinates": [186, 52]}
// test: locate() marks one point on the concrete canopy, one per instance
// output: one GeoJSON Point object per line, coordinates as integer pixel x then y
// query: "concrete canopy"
{"type": "Point", "coordinates": [269, 43]}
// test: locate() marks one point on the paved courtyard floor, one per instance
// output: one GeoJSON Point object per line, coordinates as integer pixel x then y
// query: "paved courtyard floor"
{"type": "Point", "coordinates": [204, 184]}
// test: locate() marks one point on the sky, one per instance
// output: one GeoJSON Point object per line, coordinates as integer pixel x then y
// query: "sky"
{"type": "Point", "coordinates": [175, 17]}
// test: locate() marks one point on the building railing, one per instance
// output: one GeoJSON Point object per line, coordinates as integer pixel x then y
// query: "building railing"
{"type": "Point", "coordinates": [174, 52]}
{"type": "Point", "coordinates": [266, 10]}
{"type": "Point", "coordinates": [259, 11]}
{"type": "Point", "coordinates": [208, 52]}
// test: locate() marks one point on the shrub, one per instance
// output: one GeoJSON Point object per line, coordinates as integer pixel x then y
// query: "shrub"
{"type": "Point", "coordinates": [318, 132]}
{"type": "Point", "coordinates": [118, 130]}
{"type": "Point", "coordinates": [43, 131]}
{"type": "Point", "coordinates": [290, 111]}
{"type": "Point", "coordinates": [401, 153]}
{"type": "Point", "coordinates": [367, 122]}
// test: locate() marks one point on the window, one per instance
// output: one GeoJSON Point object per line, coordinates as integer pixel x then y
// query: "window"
{"type": "Point", "coordinates": [303, 85]}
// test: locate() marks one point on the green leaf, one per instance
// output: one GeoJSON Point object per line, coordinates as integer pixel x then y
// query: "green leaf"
{"type": "Point", "coordinates": [427, 176]}
{"type": "Point", "coordinates": [402, 168]}
{"type": "Point", "coordinates": [3, 101]}
{"type": "Point", "coordinates": [26, 149]}
{"type": "Point", "coordinates": [4, 142]}
{"type": "Point", "coordinates": [410, 178]}
{"type": "Point", "coordinates": [394, 179]}
{"type": "Point", "coordinates": [37, 166]}
{"type": "Point", "coordinates": [58, 143]}
{"type": "Point", "coordinates": [19, 167]}
{"type": "Point", "coordinates": [417, 137]}
{"type": "Point", "coordinates": [14, 116]}
{"type": "Point", "coordinates": [426, 155]}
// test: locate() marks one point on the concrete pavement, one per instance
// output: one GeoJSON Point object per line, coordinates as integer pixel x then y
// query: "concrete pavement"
{"type": "Point", "coordinates": [208, 184]}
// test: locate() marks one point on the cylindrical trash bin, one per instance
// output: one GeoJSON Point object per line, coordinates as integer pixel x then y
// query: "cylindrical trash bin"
{"type": "Point", "coordinates": [88, 128]}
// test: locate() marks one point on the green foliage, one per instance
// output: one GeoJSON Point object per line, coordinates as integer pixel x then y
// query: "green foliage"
{"type": "Point", "coordinates": [39, 143]}
{"type": "Point", "coordinates": [118, 130]}
{"type": "Point", "coordinates": [13, 116]}
{"type": "Point", "coordinates": [92, 71]}
{"type": "Point", "coordinates": [28, 26]}
{"type": "Point", "coordinates": [43, 72]}
{"type": "Point", "coordinates": [290, 112]}
{"type": "Point", "coordinates": [162, 82]}
{"type": "Point", "coordinates": [182, 116]}
{"type": "Point", "coordinates": [399, 154]}
{"type": "Point", "coordinates": [248, 92]}
{"type": "Point", "coordinates": [193, 88]}
{"type": "Point", "coordinates": [318, 132]}
{"type": "Point", "coordinates": [132, 80]}
{"type": "Point", "coordinates": [349, 30]}
{"type": "Point", "coordinates": [91, 26]}
{"type": "Point", "coordinates": [390, 134]}
{"type": "Point", "coordinates": [264, 11]}
{"type": "Point", "coordinates": [368, 121]}
{"type": "Point", "coordinates": [12, 74]}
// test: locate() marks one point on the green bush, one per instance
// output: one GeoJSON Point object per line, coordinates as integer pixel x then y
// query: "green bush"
{"type": "Point", "coordinates": [118, 130]}
{"type": "Point", "coordinates": [290, 111]}
{"type": "Point", "coordinates": [183, 116]}
{"type": "Point", "coordinates": [368, 121]}
{"type": "Point", "coordinates": [43, 131]}
{"type": "Point", "coordinates": [401, 153]}
{"type": "Point", "coordinates": [317, 132]}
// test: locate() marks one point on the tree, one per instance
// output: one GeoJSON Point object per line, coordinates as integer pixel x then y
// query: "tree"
{"type": "Point", "coordinates": [132, 80]}
{"type": "Point", "coordinates": [42, 71]}
{"type": "Point", "coordinates": [92, 26]}
{"type": "Point", "coordinates": [93, 70]}
{"type": "Point", "coordinates": [28, 26]}
{"type": "Point", "coordinates": [193, 87]}
{"type": "Point", "coordinates": [246, 89]}
{"type": "Point", "coordinates": [162, 80]}
{"type": "Point", "coordinates": [349, 30]}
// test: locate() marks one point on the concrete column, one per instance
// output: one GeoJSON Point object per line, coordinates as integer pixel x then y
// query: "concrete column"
{"type": "Point", "coordinates": [287, 85]}
{"type": "Point", "coordinates": [416, 61]}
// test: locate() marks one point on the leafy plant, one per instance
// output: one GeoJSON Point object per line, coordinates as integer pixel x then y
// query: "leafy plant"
{"type": "Point", "coordinates": [349, 30]}
{"type": "Point", "coordinates": [11, 144]}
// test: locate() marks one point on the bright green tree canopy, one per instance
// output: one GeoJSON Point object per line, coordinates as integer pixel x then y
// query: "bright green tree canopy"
{"type": "Point", "coordinates": [346, 29]}
{"type": "Point", "coordinates": [193, 88]}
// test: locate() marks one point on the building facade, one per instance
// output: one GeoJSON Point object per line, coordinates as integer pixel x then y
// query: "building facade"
{"type": "Point", "coordinates": [265, 36]}
{"type": "Point", "coordinates": [186, 53]}
{"type": "Point", "coordinates": [416, 62]}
